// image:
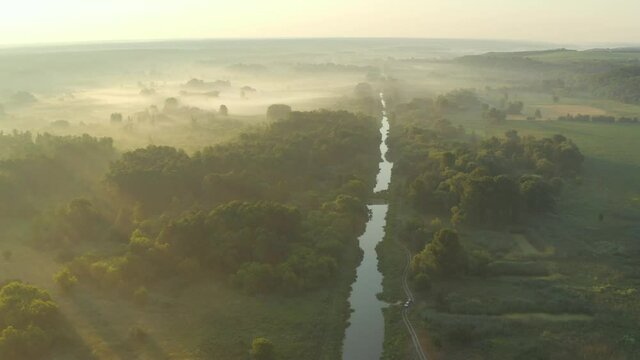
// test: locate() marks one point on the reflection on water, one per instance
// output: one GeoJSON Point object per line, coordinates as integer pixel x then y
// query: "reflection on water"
{"type": "Point", "coordinates": [365, 333]}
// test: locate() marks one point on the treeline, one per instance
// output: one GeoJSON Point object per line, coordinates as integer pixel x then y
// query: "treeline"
{"type": "Point", "coordinates": [304, 153]}
{"type": "Point", "coordinates": [330, 67]}
{"type": "Point", "coordinates": [616, 78]}
{"type": "Point", "coordinates": [602, 119]}
{"type": "Point", "coordinates": [494, 182]}
{"type": "Point", "coordinates": [275, 210]}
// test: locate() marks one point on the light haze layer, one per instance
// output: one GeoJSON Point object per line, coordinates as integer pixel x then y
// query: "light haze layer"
{"type": "Point", "coordinates": [568, 21]}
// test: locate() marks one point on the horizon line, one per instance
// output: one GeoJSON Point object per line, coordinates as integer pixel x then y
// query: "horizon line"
{"type": "Point", "coordinates": [53, 44]}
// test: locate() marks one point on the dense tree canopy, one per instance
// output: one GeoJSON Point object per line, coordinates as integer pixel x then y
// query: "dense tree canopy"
{"type": "Point", "coordinates": [493, 182]}
{"type": "Point", "coordinates": [272, 211]}
{"type": "Point", "coordinates": [443, 257]}
{"type": "Point", "coordinates": [29, 322]}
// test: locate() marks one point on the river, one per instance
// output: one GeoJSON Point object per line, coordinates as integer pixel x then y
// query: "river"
{"type": "Point", "coordinates": [365, 334]}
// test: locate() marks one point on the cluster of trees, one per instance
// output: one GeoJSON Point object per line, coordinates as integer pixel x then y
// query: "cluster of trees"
{"type": "Point", "coordinates": [30, 322]}
{"type": "Point", "coordinates": [260, 247]}
{"type": "Point", "coordinates": [432, 113]}
{"type": "Point", "coordinates": [40, 168]}
{"type": "Point", "coordinates": [493, 182]}
{"type": "Point", "coordinates": [603, 119]}
{"type": "Point", "coordinates": [514, 108]}
{"type": "Point", "coordinates": [620, 83]}
{"type": "Point", "coordinates": [278, 112]}
{"type": "Point", "coordinates": [499, 115]}
{"type": "Point", "coordinates": [443, 257]}
{"type": "Point", "coordinates": [301, 154]}
{"type": "Point", "coordinates": [494, 115]}
{"type": "Point", "coordinates": [614, 79]}
{"type": "Point", "coordinates": [75, 223]}
{"type": "Point", "coordinates": [456, 100]}
{"type": "Point", "coordinates": [275, 210]}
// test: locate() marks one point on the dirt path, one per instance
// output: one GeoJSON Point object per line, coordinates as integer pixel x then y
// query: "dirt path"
{"type": "Point", "coordinates": [405, 310]}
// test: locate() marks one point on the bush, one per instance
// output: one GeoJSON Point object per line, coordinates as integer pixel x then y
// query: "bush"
{"type": "Point", "coordinates": [7, 254]}
{"type": "Point", "coordinates": [262, 349]}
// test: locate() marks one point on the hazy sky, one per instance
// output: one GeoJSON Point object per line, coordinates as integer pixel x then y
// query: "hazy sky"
{"type": "Point", "coordinates": [44, 21]}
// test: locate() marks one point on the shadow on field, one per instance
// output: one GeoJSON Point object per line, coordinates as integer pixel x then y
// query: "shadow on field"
{"type": "Point", "coordinates": [118, 345]}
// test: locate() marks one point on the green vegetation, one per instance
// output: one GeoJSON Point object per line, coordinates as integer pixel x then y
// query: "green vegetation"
{"type": "Point", "coordinates": [490, 182]}
{"type": "Point", "coordinates": [443, 257]}
{"type": "Point", "coordinates": [29, 321]}
{"type": "Point", "coordinates": [275, 213]}
{"type": "Point", "coordinates": [262, 349]}
{"type": "Point", "coordinates": [525, 283]}
{"type": "Point", "coordinates": [164, 208]}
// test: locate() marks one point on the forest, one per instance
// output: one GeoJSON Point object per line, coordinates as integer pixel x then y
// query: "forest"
{"type": "Point", "coordinates": [272, 211]}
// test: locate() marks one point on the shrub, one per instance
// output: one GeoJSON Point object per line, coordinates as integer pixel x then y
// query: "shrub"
{"type": "Point", "coordinates": [262, 349]}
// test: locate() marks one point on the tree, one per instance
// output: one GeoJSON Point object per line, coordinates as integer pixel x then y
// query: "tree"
{"type": "Point", "coordinates": [116, 118]}
{"type": "Point", "coordinates": [224, 111]}
{"type": "Point", "coordinates": [65, 279]}
{"type": "Point", "coordinates": [515, 108]}
{"type": "Point", "coordinates": [363, 90]}
{"type": "Point", "coordinates": [495, 116]}
{"type": "Point", "coordinates": [278, 112]}
{"type": "Point", "coordinates": [262, 349]}
{"type": "Point", "coordinates": [537, 194]}
{"type": "Point", "coordinates": [443, 257]}
{"type": "Point", "coordinates": [538, 114]}
{"type": "Point", "coordinates": [171, 104]}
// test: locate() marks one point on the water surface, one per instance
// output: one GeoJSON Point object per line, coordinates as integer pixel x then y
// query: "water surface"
{"type": "Point", "coordinates": [365, 334]}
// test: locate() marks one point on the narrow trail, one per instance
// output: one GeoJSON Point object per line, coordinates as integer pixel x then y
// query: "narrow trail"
{"type": "Point", "coordinates": [405, 310]}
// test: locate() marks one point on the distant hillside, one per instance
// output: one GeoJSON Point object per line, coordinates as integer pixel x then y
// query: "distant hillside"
{"type": "Point", "coordinates": [591, 59]}
{"type": "Point", "coordinates": [609, 73]}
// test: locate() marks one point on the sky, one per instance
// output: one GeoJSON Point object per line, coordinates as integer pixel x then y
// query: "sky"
{"type": "Point", "coordinates": [560, 21]}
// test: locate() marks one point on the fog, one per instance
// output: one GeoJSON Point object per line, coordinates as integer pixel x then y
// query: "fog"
{"type": "Point", "coordinates": [74, 89]}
